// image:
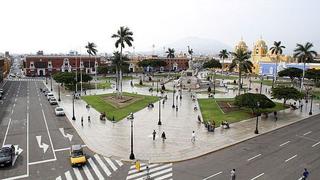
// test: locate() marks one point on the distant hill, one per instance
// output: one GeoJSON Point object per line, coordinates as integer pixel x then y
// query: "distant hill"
{"type": "Point", "coordinates": [199, 45]}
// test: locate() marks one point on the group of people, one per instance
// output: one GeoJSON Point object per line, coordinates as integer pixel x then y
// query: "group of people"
{"type": "Point", "coordinates": [211, 125]}
{"type": "Point", "coordinates": [163, 135]}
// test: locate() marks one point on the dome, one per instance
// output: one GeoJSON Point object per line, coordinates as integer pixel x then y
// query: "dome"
{"type": "Point", "coordinates": [261, 43]}
{"type": "Point", "coordinates": [241, 45]}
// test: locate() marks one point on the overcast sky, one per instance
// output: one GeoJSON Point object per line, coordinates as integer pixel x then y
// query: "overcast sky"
{"type": "Point", "coordinates": [57, 26]}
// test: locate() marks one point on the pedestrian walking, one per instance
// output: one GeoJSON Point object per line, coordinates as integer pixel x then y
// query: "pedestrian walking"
{"type": "Point", "coordinates": [275, 115]}
{"type": "Point", "coordinates": [154, 134]}
{"type": "Point", "coordinates": [163, 136]}
{"type": "Point", "coordinates": [81, 120]}
{"type": "Point", "coordinates": [177, 108]}
{"type": "Point", "coordinates": [193, 137]}
{"type": "Point", "coordinates": [305, 174]}
{"type": "Point", "coordinates": [148, 173]}
{"type": "Point", "coordinates": [138, 166]}
{"type": "Point", "coordinates": [89, 121]}
{"type": "Point", "coordinates": [88, 107]}
{"type": "Point", "coordinates": [233, 174]}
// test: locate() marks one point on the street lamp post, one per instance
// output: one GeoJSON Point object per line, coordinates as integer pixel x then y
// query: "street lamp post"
{"type": "Point", "coordinates": [159, 122]}
{"type": "Point", "coordinates": [46, 79]}
{"type": "Point", "coordinates": [73, 117]}
{"type": "Point", "coordinates": [59, 99]}
{"type": "Point", "coordinates": [310, 112]}
{"type": "Point", "coordinates": [256, 131]}
{"type": "Point", "coordinates": [174, 91]}
{"type": "Point", "coordinates": [214, 82]}
{"type": "Point", "coordinates": [261, 83]}
{"type": "Point", "coordinates": [157, 85]}
{"type": "Point", "coordinates": [131, 120]}
{"type": "Point", "coordinates": [51, 80]}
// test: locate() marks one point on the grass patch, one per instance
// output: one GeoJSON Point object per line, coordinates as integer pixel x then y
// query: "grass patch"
{"type": "Point", "coordinates": [101, 104]}
{"type": "Point", "coordinates": [101, 85]}
{"type": "Point", "coordinates": [114, 78]}
{"type": "Point", "coordinates": [219, 76]}
{"type": "Point", "coordinates": [269, 82]}
{"type": "Point", "coordinates": [211, 111]}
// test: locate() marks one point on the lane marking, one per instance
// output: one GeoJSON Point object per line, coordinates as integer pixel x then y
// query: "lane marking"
{"type": "Point", "coordinates": [315, 144]}
{"type": "Point", "coordinates": [77, 173]}
{"type": "Point", "coordinates": [156, 174]}
{"type": "Point", "coordinates": [62, 149]}
{"type": "Point", "coordinates": [104, 167]}
{"type": "Point", "coordinates": [87, 172]}
{"type": "Point", "coordinates": [59, 178]}
{"type": "Point", "coordinates": [17, 177]}
{"type": "Point", "coordinates": [307, 133]}
{"type": "Point", "coordinates": [216, 174]}
{"type": "Point", "coordinates": [254, 157]}
{"type": "Point", "coordinates": [291, 158]}
{"type": "Point", "coordinates": [5, 136]}
{"type": "Point", "coordinates": [111, 163]}
{"type": "Point", "coordinates": [68, 175]}
{"type": "Point", "coordinates": [284, 143]}
{"type": "Point", "coordinates": [164, 177]}
{"type": "Point", "coordinates": [95, 168]}
{"type": "Point", "coordinates": [257, 176]}
{"type": "Point", "coordinates": [40, 162]}
{"type": "Point", "coordinates": [150, 171]}
{"type": "Point", "coordinates": [45, 121]}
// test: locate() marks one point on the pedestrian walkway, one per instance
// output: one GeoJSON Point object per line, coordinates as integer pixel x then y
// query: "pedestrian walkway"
{"type": "Point", "coordinates": [97, 167]}
{"type": "Point", "coordinates": [113, 139]}
{"type": "Point", "coordinates": [154, 171]}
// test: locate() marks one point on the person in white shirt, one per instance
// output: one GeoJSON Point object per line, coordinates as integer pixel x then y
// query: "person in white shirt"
{"type": "Point", "coordinates": [193, 137]}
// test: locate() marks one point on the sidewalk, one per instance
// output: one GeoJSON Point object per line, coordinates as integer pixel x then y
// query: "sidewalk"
{"type": "Point", "coordinates": [113, 139]}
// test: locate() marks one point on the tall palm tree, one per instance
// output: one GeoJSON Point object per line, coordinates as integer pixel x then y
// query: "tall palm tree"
{"type": "Point", "coordinates": [223, 54]}
{"type": "Point", "coordinates": [170, 53]}
{"type": "Point", "coordinates": [277, 50]}
{"type": "Point", "coordinates": [240, 59]}
{"type": "Point", "coordinates": [304, 54]}
{"type": "Point", "coordinates": [124, 37]}
{"type": "Point", "coordinates": [91, 50]}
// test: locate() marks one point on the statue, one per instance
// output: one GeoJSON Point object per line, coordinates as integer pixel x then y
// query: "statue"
{"type": "Point", "coordinates": [190, 63]}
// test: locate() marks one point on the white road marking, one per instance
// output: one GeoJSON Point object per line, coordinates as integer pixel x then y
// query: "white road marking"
{"type": "Point", "coordinates": [62, 149]}
{"type": "Point", "coordinates": [141, 164]}
{"type": "Point", "coordinates": [5, 136]}
{"type": "Point", "coordinates": [119, 162]}
{"type": "Point", "coordinates": [291, 158]}
{"type": "Point", "coordinates": [315, 144]}
{"type": "Point", "coordinates": [156, 174]}
{"type": "Point", "coordinates": [87, 172]}
{"type": "Point", "coordinates": [45, 121]}
{"type": "Point", "coordinates": [59, 178]}
{"type": "Point", "coordinates": [143, 168]}
{"type": "Point", "coordinates": [254, 157]}
{"type": "Point", "coordinates": [77, 173]}
{"type": "Point", "coordinates": [111, 163]}
{"type": "Point", "coordinates": [307, 133]}
{"type": "Point", "coordinates": [40, 162]}
{"type": "Point", "coordinates": [257, 176]}
{"type": "Point", "coordinates": [150, 171]}
{"type": "Point", "coordinates": [213, 175]}
{"type": "Point", "coordinates": [66, 135]}
{"type": "Point", "coordinates": [95, 168]}
{"type": "Point", "coordinates": [68, 175]}
{"type": "Point", "coordinates": [284, 143]}
{"type": "Point", "coordinates": [164, 177]}
{"type": "Point", "coordinates": [44, 146]}
{"type": "Point", "coordinates": [104, 167]}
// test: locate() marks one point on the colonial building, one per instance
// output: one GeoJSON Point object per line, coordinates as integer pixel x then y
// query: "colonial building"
{"type": "Point", "coordinates": [44, 65]}
{"type": "Point", "coordinates": [1, 69]}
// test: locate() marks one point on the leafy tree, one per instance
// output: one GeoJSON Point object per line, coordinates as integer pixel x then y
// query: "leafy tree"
{"type": "Point", "coordinates": [170, 53]}
{"type": "Point", "coordinates": [304, 54]}
{"type": "Point", "coordinates": [276, 49]}
{"type": "Point", "coordinates": [91, 50]}
{"type": "Point", "coordinates": [209, 89]}
{"type": "Point", "coordinates": [213, 63]}
{"type": "Point", "coordinates": [250, 100]}
{"type": "Point", "coordinates": [313, 74]}
{"type": "Point", "coordinates": [286, 93]}
{"type": "Point", "coordinates": [124, 37]}
{"type": "Point", "coordinates": [152, 63]}
{"type": "Point", "coordinates": [69, 77]}
{"type": "Point", "coordinates": [242, 62]}
{"type": "Point", "coordinates": [223, 54]}
{"type": "Point", "coordinates": [291, 72]}
{"type": "Point", "coordinates": [103, 70]}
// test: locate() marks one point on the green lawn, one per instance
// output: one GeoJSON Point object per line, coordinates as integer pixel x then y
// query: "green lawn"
{"type": "Point", "coordinates": [101, 105]}
{"type": "Point", "coordinates": [269, 82]}
{"type": "Point", "coordinates": [211, 111]}
{"type": "Point", "coordinates": [219, 76]}
{"type": "Point", "coordinates": [101, 85]}
{"type": "Point", "coordinates": [113, 78]}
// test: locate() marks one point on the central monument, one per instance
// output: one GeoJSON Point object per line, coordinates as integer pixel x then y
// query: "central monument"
{"type": "Point", "coordinates": [188, 79]}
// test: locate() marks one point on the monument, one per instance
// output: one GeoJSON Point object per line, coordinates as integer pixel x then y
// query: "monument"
{"type": "Point", "coordinates": [188, 79]}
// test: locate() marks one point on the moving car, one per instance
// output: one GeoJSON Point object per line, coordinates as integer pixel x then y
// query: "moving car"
{"type": "Point", "coordinates": [7, 153]}
{"type": "Point", "coordinates": [59, 111]}
{"type": "Point", "coordinates": [49, 96]}
{"type": "Point", "coordinates": [1, 91]}
{"type": "Point", "coordinates": [77, 157]}
{"type": "Point", "coordinates": [46, 92]}
{"type": "Point", "coordinates": [53, 101]}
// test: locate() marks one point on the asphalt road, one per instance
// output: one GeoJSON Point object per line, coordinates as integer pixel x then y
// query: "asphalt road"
{"type": "Point", "coordinates": [280, 155]}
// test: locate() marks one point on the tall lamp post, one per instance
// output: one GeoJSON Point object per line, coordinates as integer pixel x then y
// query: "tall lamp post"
{"type": "Point", "coordinates": [59, 99]}
{"type": "Point", "coordinates": [174, 91]}
{"type": "Point", "coordinates": [310, 112]}
{"type": "Point", "coordinates": [46, 79]}
{"type": "Point", "coordinates": [157, 85]}
{"type": "Point", "coordinates": [73, 117]}
{"type": "Point", "coordinates": [159, 122]}
{"type": "Point", "coordinates": [51, 80]}
{"type": "Point", "coordinates": [256, 131]}
{"type": "Point", "coordinates": [214, 82]}
{"type": "Point", "coordinates": [131, 120]}
{"type": "Point", "coordinates": [261, 83]}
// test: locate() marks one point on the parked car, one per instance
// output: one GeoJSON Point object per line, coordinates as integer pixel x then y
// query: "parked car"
{"type": "Point", "coordinates": [7, 153]}
{"type": "Point", "coordinates": [59, 111]}
{"type": "Point", "coordinates": [1, 91]}
{"type": "Point", "coordinates": [49, 96]}
{"type": "Point", "coordinates": [77, 157]}
{"type": "Point", "coordinates": [53, 101]}
{"type": "Point", "coordinates": [46, 92]}
{"type": "Point", "coordinates": [45, 89]}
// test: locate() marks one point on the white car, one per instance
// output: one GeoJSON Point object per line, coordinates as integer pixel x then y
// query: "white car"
{"type": "Point", "coordinates": [59, 111]}
{"type": "Point", "coordinates": [53, 101]}
{"type": "Point", "coordinates": [49, 96]}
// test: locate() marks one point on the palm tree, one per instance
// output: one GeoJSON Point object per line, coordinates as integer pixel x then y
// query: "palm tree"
{"type": "Point", "coordinates": [124, 37]}
{"type": "Point", "coordinates": [170, 53]}
{"type": "Point", "coordinates": [277, 50]}
{"type": "Point", "coordinates": [241, 61]}
{"type": "Point", "coordinates": [92, 51]}
{"type": "Point", "coordinates": [223, 54]}
{"type": "Point", "coordinates": [304, 54]}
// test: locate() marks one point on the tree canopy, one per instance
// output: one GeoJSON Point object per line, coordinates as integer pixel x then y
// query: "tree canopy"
{"type": "Point", "coordinates": [286, 93]}
{"type": "Point", "coordinates": [70, 77]}
{"type": "Point", "coordinates": [213, 63]}
{"type": "Point", "coordinates": [152, 63]}
{"type": "Point", "coordinates": [250, 100]}
{"type": "Point", "coordinates": [291, 72]}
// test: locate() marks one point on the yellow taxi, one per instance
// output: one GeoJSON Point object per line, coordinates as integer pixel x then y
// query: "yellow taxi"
{"type": "Point", "coordinates": [77, 157]}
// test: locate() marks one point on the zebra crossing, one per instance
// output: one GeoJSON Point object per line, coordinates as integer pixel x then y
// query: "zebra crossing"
{"type": "Point", "coordinates": [155, 172]}
{"type": "Point", "coordinates": [97, 167]}
{"type": "Point", "coordinates": [25, 79]}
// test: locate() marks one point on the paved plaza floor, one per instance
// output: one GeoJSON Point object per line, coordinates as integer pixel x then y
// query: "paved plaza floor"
{"type": "Point", "coordinates": [113, 139]}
